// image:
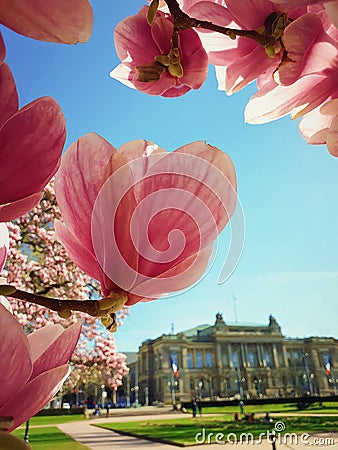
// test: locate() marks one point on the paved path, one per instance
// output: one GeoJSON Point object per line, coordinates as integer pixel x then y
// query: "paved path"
{"type": "Point", "coordinates": [96, 438]}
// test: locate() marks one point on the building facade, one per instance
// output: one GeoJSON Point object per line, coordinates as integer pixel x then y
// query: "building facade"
{"type": "Point", "coordinates": [226, 360]}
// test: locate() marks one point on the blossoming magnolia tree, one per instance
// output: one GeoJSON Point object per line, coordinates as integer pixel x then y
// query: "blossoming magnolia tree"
{"type": "Point", "coordinates": [38, 263]}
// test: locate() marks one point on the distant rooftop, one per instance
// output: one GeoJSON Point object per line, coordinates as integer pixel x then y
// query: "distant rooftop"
{"type": "Point", "coordinates": [131, 357]}
{"type": "Point", "coordinates": [193, 331]}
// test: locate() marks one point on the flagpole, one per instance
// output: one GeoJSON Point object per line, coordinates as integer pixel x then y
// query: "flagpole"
{"type": "Point", "coordinates": [334, 382]}
{"type": "Point", "coordinates": [234, 298]}
{"type": "Point", "coordinates": [173, 398]}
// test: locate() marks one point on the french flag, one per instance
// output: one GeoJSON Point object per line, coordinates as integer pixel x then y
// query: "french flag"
{"type": "Point", "coordinates": [328, 366]}
{"type": "Point", "coordinates": [174, 367]}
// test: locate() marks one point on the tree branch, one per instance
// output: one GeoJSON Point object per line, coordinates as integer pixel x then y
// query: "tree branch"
{"type": "Point", "coordinates": [183, 21]}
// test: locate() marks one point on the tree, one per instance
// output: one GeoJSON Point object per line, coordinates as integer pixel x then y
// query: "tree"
{"type": "Point", "coordinates": [38, 263]}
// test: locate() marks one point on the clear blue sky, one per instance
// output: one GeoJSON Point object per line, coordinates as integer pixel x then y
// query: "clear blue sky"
{"type": "Point", "coordinates": [288, 189]}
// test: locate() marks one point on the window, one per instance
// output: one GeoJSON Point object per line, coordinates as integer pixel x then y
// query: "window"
{"type": "Point", "coordinates": [295, 355]}
{"type": "Point", "coordinates": [288, 357]}
{"type": "Point", "coordinates": [267, 359]}
{"type": "Point", "coordinates": [189, 361]}
{"type": "Point", "coordinates": [224, 357]}
{"type": "Point", "coordinates": [199, 360]}
{"type": "Point", "coordinates": [235, 358]}
{"type": "Point", "coordinates": [208, 359]}
{"type": "Point", "coordinates": [252, 357]}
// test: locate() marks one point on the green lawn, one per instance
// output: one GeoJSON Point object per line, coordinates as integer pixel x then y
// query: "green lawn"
{"type": "Point", "coordinates": [50, 438]}
{"type": "Point", "coordinates": [52, 420]}
{"type": "Point", "coordinates": [183, 431]}
{"type": "Point", "coordinates": [327, 407]}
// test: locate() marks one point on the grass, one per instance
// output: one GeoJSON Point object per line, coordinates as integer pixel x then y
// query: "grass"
{"type": "Point", "coordinates": [327, 407]}
{"type": "Point", "coordinates": [50, 438]}
{"type": "Point", "coordinates": [52, 420]}
{"type": "Point", "coordinates": [183, 431]}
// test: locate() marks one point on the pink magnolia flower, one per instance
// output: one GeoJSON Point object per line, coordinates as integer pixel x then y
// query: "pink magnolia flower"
{"type": "Point", "coordinates": [145, 54]}
{"type": "Point", "coordinates": [320, 126]}
{"type": "Point", "coordinates": [238, 62]}
{"type": "Point", "coordinates": [64, 21]}
{"type": "Point", "coordinates": [141, 220]}
{"type": "Point", "coordinates": [4, 244]}
{"type": "Point", "coordinates": [31, 143]}
{"type": "Point", "coordinates": [316, 84]}
{"type": "Point", "coordinates": [331, 7]}
{"type": "Point", "coordinates": [33, 367]}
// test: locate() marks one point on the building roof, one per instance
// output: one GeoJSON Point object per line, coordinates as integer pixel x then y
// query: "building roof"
{"type": "Point", "coordinates": [131, 357]}
{"type": "Point", "coordinates": [193, 331]}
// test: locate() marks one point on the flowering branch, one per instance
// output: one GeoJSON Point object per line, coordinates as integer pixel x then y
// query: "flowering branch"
{"type": "Point", "coordinates": [105, 308]}
{"type": "Point", "coordinates": [183, 21]}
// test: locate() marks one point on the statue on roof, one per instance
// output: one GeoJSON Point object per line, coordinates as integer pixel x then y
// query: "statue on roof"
{"type": "Point", "coordinates": [273, 324]}
{"type": "Point", "coordinates": [220, 324]}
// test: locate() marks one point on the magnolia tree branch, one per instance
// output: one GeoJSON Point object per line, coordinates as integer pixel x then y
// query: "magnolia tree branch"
{"type": "Point", "coordinates": [183, 21]}
{"type": "Point", "coordinates": [105, 308]}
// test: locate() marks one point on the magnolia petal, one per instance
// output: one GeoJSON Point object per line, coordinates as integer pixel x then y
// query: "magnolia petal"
{"type": "Point", "coordinates": [215, 13]}
{"type": "Point", "coordinates": [251, 14]}
{"type": "Point", "coordinates": [161, 33]}
{"type": "Point", "coordinates": [2, 49]}
{"type": "Point", "coordinates": [4, 244]}
{"type": "Point", "coordinates": [298, 39]}
{"type": "Point", "coordinates": [160, 87]}
{"type": "Point", "coordinates": [123, 74]}
{"type": "Point", "coordinates": [330, 108]}
{"type": "Point", "coordinates": [10, 442]}
{"type": "Point", "coordinates": [219, 160]}
{"type": "Point", "coordinates": [15, 359]}
{"type": "Point", "coordinates": [194, 59]}
{"type": "Point", "coordinates": [273, 101]}
{"type": "Point", "coordinates": [133, 40]}
{"type": "Point", "coordinates": [246, 69]}
{"type": "Point", "coordinates": [31, 145]}
{"type": "Point", "coordinates": [82, 257]}
{"type": "Point", "coordinates": [6, 304]}
{"type": "Point", "coordinates": [33, 396]}
{"type": "Point", "coordinates": [19, 208]}
{"type": "Point", "coordinates": [332, 11]}
{"type": "Point", "coordinates": [314, 126]}
{"type": "Point", "coordinates": [66, 22]}
{"type": "Point", "coordinates": [211, 12]}
{"type": "Point", "coordinates": [123, 173]}
{"type": "Point", "coordinates": [9, 101]}
{"type": "Point", "coordinates": [177, 278]}
{"type": "Point", "coordinates": [292, 3]}
{"type": "Point", "coordinates": [332, 138]}
{"type": "Point", "coordinates": [236, 49]}
{"type": "Point", "coordinates": [58, 352]}
{"type": "Point", "coordinates": [41, 339]}
{"type": "Point", "coordinates": [78, 183]}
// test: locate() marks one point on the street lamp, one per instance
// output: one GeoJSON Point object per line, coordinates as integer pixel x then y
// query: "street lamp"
{"type": "Point", "coordinates": [308, 376]}
{"type": "Point", "coordinates": [135, 389]}
{"type": "Point", "coordinates": [172, 386]}
{"type": "Point", "coordinates": [200, 385]}
{"type": "Point", "coordinates": [103, 394]}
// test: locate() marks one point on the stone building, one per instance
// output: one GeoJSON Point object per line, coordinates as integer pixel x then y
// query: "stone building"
{"type": "Point", "coordinates": [235, 359]}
